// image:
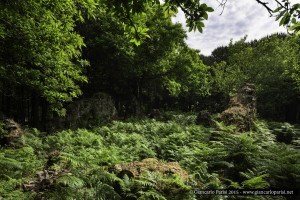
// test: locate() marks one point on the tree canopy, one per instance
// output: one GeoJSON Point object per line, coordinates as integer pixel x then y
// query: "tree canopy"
{"type": "Point", "coordinates": [42, 47]}
{"type": "Point", "coordinates": [42, 50]}
{"type": "Point", "coordinates": [271, 63]}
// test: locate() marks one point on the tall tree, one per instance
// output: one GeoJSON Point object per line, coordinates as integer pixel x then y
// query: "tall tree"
{"type": "Point", "coordinates": [41, 51]}
{"type": "Point", "coordinates": [271, 63]}
{"type": "Point", "coordinates": [160, 66]}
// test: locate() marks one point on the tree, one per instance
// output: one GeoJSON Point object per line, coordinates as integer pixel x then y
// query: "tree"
{"type": "Point", "coordinates": [286, 12]}
{"type": "Point", "coordinates": [162, 65]}
{"type": "Point", "coordinates": [271, 63]}
{"type": "Point", "coordinates": [41, 50]}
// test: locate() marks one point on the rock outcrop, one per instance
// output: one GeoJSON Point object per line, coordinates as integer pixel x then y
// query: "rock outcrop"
{"type": "Point", "coordinates": [242, 108]}
{"type": "Point", "coordinates": [91, 111]}
{"type": "Point", "coordinates": [10, 133]}
{"type": "Point", "coordinates": [204, 118]}
{"type": "Point", "coordinates": [43, 180]}
{"type": "Point", "coordinates": [155, 113]}
{"type": "Point", "coordinates": [135, 169]}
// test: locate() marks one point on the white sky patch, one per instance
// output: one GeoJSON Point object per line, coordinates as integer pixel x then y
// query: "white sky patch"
{"type": "Point", "coordinates": [239, 18]}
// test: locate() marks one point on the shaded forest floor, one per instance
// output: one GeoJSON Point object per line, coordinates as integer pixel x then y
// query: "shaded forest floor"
{"type": "Point", "coordinates": [167, 158]}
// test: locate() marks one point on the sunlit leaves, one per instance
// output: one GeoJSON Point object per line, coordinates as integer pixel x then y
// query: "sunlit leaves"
{"type": "Point", "coordinates": [271, 63]}
{"type": "Point", "coordinates": [289, 15]}
{"type": "Point", "coordinates": [42, 50]}
{"type": "Point", "coordinates": [194, 19]}
{"type": "Point", "coordinates": [45, 47]}
{"type": "Point", "coordinates": [195, 12]}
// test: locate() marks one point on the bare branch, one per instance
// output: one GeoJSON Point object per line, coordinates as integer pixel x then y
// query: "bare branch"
{"type": "Point", "coordinates": [265, 4]}
{"type": "Point", "coordinates": [222, 4]}
{"type": "Point", "coordinates": [279, 3]}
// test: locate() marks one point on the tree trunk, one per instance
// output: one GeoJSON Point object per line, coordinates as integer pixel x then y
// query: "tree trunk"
{"type": "Point", "coordinates": [34, 110]}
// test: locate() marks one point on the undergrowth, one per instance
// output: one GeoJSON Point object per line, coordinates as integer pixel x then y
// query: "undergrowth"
{"type": "Point", "coordinates": [215, 158]}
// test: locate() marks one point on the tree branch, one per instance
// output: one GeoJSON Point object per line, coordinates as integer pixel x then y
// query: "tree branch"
{"type": "Point", "coordinates": [222, 4]}
{"type": "Point", "coordinates": [279, 3]}
{"type": "Point", "coordinates": [131, 22]}
{"type": "Point", "coordinates": [183, 9]}
{"type": "Point", "coordinates": [265, 5]}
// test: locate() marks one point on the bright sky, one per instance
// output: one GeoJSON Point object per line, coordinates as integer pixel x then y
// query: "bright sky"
{"type": "Point", "coordinates": [239, 18]}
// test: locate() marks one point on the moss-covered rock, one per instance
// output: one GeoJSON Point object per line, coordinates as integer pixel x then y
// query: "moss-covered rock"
{"type": "Point", "coordinates": [135, 169]}
{"type": "Point", "coordinates": [10, 133]}
{"type": "Point", "coordinates": [91, 111]}
{"type": "Point", "coordinates": [204, 118]}
{"type": "Point", "coordinates": [242, 108]}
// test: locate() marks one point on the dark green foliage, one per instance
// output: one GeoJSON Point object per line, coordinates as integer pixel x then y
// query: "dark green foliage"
{"type": "Point", "coordinates": [284, 132]}
{"type": "Point", "coordinates": [161, 70]}
{"type": "Point", "coordinates": [135, 51]}
{"type": "Point", "coordinates": [42, 41]}
{"type": "Point", "coordinates": [19, 165]}
{"type": "Point", "coordinates": [41, 50]}
{"type": "Point", "coordinates": [139, 56]}
{"type": "Point", "coordinates": [270, 63]}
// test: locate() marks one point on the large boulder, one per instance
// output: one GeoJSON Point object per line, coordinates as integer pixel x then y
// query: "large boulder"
{"type": "Point", "coordinates": [162, 171]}
{"type": "Point", "coordinates": [91, 111]}
{"type": "Point", "coordinates": [155, 114]}
{"type": "Point", "coordinates": [204, 118]}
{"type": "Point", "coordinates": [43, 180]}
{"type": "Point", "coordinates": [135, 169]}
{"type": "Point", "coordinates": [242, 108]}
{"type": "Point", "coordinates": [10, 133]}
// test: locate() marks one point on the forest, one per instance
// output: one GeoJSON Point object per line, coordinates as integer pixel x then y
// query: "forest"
{"type": "Point", "coordinates": [104, 99]}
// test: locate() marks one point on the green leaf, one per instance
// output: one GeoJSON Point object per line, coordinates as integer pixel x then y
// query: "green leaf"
{"type": "Point", "coordinates": [70, 181]}
{"type": "Point", "coordinates": [200, 26]}
{"type": "Point", "coordinates": [280, 15]}
{"type": "Point", "coordinates": [209, 9]}
{"type": "Point", "coordinates": [283, 20]}
{"type": "Point", "coordinates": [205, 15]}
{"type": "Point", "coordinates": [277, 9]}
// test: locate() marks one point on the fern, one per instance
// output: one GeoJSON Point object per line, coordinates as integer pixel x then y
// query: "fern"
{"type": "Point", "coordinates": [70, 181]}
{"type": "Point", "coordinates": [255, 182]}
{"type": "Point", "coordinates": [150, 195]}
{"type": "Point", "coordinates": [8, 164]}
{"type": "Point", "coordinates": [215, 158]}
{"type": "Point", "coordinates": [71, 160]}
{"type": "Point", "coordinates": [105, 191]}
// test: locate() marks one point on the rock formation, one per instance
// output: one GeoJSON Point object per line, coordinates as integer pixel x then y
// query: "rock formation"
{"type": "Point", "coordinates": [204, 118]}
{"type": "Point", "coordinates": [10, 133]}
{"type": "Point", "coordinates": [135, 169]}
{"type": "Point", "coordinates": [91, 111]}
{"type": "Point", "coordinates": [242, 108]}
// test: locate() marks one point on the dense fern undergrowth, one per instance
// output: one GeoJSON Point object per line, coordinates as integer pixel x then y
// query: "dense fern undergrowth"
{"type": "Point", "coordinates": [215, 158]}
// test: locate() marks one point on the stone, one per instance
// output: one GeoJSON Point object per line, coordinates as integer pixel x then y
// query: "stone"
{"type": "Point", "coordinates": [135, 169]}
{"type": "Point", "coordinates": [204, 118]}
{"type": "Point", "coordinates": [155, 113]}
{"type": "Point", "coordinates": [242, 108]}
{"type": "Point", "coordinates": [11, 133]}
{"type": "Point", "coordinates": [91, 111]}
{"type": "Point", "coordinates": [43, 180]}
